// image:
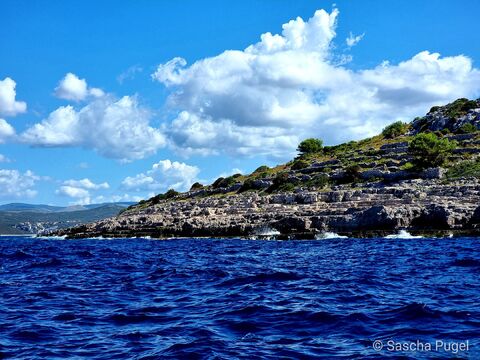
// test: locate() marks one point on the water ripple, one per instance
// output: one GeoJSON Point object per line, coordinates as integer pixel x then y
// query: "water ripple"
{"type": "Point", "coordinates": [235, 299]}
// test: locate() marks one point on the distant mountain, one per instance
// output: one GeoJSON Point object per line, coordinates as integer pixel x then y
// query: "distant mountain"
{"type": "Point", "coordinates": [41, 208]}
{"type": "Point", "coordinates": [29, 207]}
{"type": "Point", "coordinates": [17, 218]}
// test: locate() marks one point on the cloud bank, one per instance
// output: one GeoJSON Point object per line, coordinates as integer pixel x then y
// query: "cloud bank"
{"type": "Point", "coordinates": [115, 128]}
{"type": "Point", "coordinates": [80, 190]}
{"type": "Point", "coordinates": [289, 86]}
{"type": "Point", "coordinates": [15, 185]}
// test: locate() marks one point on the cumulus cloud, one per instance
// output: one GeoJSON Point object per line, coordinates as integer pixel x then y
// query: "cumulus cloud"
{"type": "Point", "coordinates": [114, 128]}
{"type": "Point", "coordinates": [71, 87]}
{"type": "Point", "coordinates": [353, 40]}
{"type": "Point", "coordinates": [265, 99]}
{"type": "Point", "coordinates": [8, 105]}
{"type": "Point", "coordinates": [80, 190]}
{"type": "Point", "coordinates": [17, 185]}
{"type": "Point", "coordinates": [4, 159]}
{"type": "Point", "coordinates": [6, 130]}
{"type": "Point", "coordinates": [162, 176]}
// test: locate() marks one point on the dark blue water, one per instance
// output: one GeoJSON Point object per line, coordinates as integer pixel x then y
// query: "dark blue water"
{"type": "Point", "coordinates": [237, 299]}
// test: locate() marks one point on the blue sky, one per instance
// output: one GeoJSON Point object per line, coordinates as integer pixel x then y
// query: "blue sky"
{"type": "Point", "coordinates": [129, 121]}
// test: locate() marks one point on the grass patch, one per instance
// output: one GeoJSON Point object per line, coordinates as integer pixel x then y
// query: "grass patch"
{"type": "Point", "coordinates": [469, 168]}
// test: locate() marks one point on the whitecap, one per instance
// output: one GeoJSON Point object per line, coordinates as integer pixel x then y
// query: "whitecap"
{"type": "Point", "coordinates": [403, 234]}
{"type": "Point", "coordinates": [267, 231]}
{"type": "Point", "coordinates": [329, 235]}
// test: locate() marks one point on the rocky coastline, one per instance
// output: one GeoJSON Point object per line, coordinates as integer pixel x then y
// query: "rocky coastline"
{"type": "Point", "coordinates": [418, 206]}
{"type": "Point", "coordinates": [365, 188]}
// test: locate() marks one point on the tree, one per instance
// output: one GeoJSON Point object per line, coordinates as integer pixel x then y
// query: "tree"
{"type": "Point", "coordinates": [396, 129]}
{"type": "Point", "coordinates": [429, 151]}
{"type": "Point", "coordinates": [309, 146]}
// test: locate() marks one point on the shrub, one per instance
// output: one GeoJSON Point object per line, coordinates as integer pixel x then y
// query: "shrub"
{"type": "Point", "coordinates": [466, 129]}
{"type": "Point", "coordinates": [429, 151]}
{"type": "Point", "coordinates": [352, 173]}
{"type": "Point", "coordinates": [281, 183]}
{"type": "Point", "coordinates": [394, 130]}
{"type": "Point", "coordinates": [300, 164]}
{"type": "Point", "coordinates": [249, 184]}
{"type": "Point", "coordinates": [319, 181]}
{"type": "Point", "coordinates": [309, 146]}
{"type": "Point", "coordinates": [216, 183]}
{"type": "Point", "coordinates": [171, 193]}
{"type": "Point", "coordinates": [460, 107]}
{"type": "Point", "coordinates": [260, 169]}
{"type": "Point", "coordinates": [226, 182]}
{"type": "Point", "coordinates": [196, 186]}
{"type": "Point", "coordinates": [407, 166]}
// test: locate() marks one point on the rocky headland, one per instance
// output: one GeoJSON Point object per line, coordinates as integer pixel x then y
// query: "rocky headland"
{"type": "Point", "coordinates": [422, 177]}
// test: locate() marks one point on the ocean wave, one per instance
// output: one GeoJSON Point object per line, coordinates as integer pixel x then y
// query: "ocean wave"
{"type": "Point", "coordinates": [198, 298]}
{"type": "Point", "coordinates": [403, 234]}
{"type": "Point", "coordinates": [329, 235]}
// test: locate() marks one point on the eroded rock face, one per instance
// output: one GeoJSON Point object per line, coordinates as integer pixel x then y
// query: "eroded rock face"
{"type": "Point", "coordinates": [411, 204]}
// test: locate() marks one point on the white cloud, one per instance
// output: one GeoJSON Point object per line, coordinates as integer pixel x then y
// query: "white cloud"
{"type": "Point", "coordinates": [164, 175]}
{"type": "Point", "coordinates": [80, 190]}
{"type": "Point", "coordinates": [353, 40]}
{"type": "Point", "coordinates": [114, 128]}
{"type": "Point", "coordinates": [129, 74]}
{"type": "Point", "coordinates": [120, 198]}
{"type": "Point", "coordinates": [71, 87]}
{"type": "Point", "coordinates": [8, 105]}
{"type": "Point", "coordinates": [86, 184]}
{"type": "Point", "coordinates": [15, 185]}
{"type": "Point", "coordinates": [6, 131]}
{"type": "Point", "coordinates": [4, 159]}
{"type": "Point", "coordinates": [265, 99]}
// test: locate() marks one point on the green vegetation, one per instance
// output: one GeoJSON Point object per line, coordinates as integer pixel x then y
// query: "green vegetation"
{"type": "Point", "coordinates": [352, 174]}
{"type": "Point", "coordinates": [300, 164]}
{"type": "Point", "coordinates": [469, 168]}
{"type": "Point", "coordinates": [407, 166]}
{"type": "Point", "coordinates": [319, 181]}
{"type": "Point", "coordinates": [309, 146]}
{"type": "Point", "coordinates": [281, 183]}
{"type": "Point", "coordinates": [394, 130]}
{"type": "Point", "coordinates": [342, 148]}
{"type": "Point", "coordinates": [196, 186]}
{"type": "Point", "coordinates": [226, 182]}
{"type": "Point", "coordinates": [429, 151]}
{"type": "Point", "coordinates": [261, 169]}
{"type": "Point", "coordinates": [460, 107]}
{"type": "Point", "coordinates": [466, 129]}
{"type": "Point", "coordinates": [171, 193]}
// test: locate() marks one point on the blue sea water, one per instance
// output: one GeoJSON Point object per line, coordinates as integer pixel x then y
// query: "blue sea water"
{"type": "Point", "coordinates": [238, 299]}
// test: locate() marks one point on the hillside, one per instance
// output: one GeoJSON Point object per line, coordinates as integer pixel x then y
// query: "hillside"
{"type": "Point", "coordinates": [27, 219]}
{"type": "Point", "coordinates": [421, 176]}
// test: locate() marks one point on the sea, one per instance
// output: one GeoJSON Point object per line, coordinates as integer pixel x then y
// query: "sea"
{"type": "Point", "coordinates": [400, 297]}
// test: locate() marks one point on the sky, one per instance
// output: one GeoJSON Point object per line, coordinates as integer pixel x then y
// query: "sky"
{"type": "Point", "coordinates": [119, 100]}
